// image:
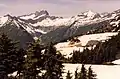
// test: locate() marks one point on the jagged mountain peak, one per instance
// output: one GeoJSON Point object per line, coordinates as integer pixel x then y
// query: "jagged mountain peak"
{"type": "Point", "coordinates": [88, 12]}
{"type": "Point", "coordinates": [91, 15]}
{"type": "Point", "coordinates": [35, 15]}
{"type": "Point", "coordinates": [117, 11]}
{"type": "Point", "coordinates": [42, 12]}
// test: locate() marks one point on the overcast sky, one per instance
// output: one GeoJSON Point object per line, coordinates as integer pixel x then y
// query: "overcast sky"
{"type": "Point", "coordinates": [57, 7]}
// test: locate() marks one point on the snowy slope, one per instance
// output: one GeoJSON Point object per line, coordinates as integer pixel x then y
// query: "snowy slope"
{"type": "Point", "coordinates": [99, 37]}
{"type": "Point", "coordinates": [55, 22]}
{"type": "Point", "coordinates": [28, 17]}
{"type": "Point", "coordinates": [3, 20]}
{"type": "Point", "coordinates": [102, 71]}
{"type": "Point", "coordinates": [66, 48]}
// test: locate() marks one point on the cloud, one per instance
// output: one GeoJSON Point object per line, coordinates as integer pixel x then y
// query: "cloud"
{"type": "Point", "coordinates": [3, 5]}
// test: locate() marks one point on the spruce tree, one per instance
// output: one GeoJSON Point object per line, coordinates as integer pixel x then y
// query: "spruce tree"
{"type": "Point", "coordinates": [9, 60]}
{"type": "Point", "coordinates": [33, 62]}
{"type": "Point", "coordinates": [76, 73]}
{"type": "Point", "coordinates": [83, 73]}
{"type": "Point", "coordinates": [91, 74]}
{"type": "Point", "coordinates": [53, 64]}
{"type": "Point", "coordinates": [68, 75]}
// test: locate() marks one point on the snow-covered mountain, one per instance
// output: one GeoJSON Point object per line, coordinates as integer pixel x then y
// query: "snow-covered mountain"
{"type": "Point", "coordinates": [4, 20]}
{"type": "Point", "coordinates": [43, 18]}
{"type": "Point", "coordinates": [55, 29]}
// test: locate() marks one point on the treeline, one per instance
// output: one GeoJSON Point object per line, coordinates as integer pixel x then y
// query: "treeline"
{"type": "Point", "coordinates": [35, 62]}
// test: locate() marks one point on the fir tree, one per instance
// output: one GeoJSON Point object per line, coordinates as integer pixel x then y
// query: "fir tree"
{"type": "Point", "coordinates": [9, 60]}
{"type": "Point", "coordinates": [83, 73]}
{"type": "Point", "coordinates": [33, 61]}
{"type": "Point", "coordinates": [53, 64]}
{"type": "Point", "coordinates": [91, 74]}
{"type": "Point", "coordinates": [76, 74]}
{"type": "Point", "coordinates": [68, 75]}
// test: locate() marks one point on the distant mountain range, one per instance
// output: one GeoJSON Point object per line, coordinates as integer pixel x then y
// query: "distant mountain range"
{"type": "Point", "coordinates": [42, 25]}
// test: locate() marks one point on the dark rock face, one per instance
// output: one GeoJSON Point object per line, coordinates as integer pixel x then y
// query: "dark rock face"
{"type": "Point", "coordinates": [16, 34]}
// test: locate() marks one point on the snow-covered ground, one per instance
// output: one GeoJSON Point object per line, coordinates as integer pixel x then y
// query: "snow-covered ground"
{"type": "Point", "coordinates": [116, 61]}
{"type": "Point", "coordinates": [99, 37]}
{"type": "Point", "coordinates": [66, 48]}
{"type": "Point", "coordinates": [102, 71]}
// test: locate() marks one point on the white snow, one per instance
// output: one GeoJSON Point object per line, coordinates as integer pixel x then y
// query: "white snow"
{"type": "Point", "coordinates": [56, 22]}
{"type": "Point", "coordinates": [3, 19]}
{"type": "Point", "coordinates": [85, 18]}
{"type": "Point", "coordinates": [35, 38]}
{"type": "Point", "coordinates": [13, 74]}
{"type": "Point", "coordinates": [116, 61]}
{"type": "Point", "coordinates": [39, 16]}
{"type": "Point", "coordinates": [89, 14]}
{"type": "Point", "coordinates": [65, 21]}
{"type": "Point", "coordinates": [115, 23]}
{"type": "Point", "coordinates": [16, 23]}
{"type": "Point", "coordinates": [102, 71]}
{"type": "Point", "coordinates": [28, 17]}
{"type": "Point", "coordinates": [99, 37]}
{"type": "Point", "coordinates": [38, 30]}
{"type": "Point", "coordinates": [66, 48]}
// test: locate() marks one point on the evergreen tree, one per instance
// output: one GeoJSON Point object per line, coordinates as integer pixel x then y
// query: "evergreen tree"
{"type": "Point", "coordinates": [34, 61]}
{"type": "Point", "coordinates": [91, 74]}
{"type": "Point", "coordinates": [83, 73]}
{"type": "Point", "coordinates": [76, 74]}
{"type": "Point", "coordinates": [76, 57]}
{"type": "Point", "coordinates": [53, 64]}
{"type": "Point", "coordinates": [68, 75]}
{"type": "Point", "coordinates": [9, 60]}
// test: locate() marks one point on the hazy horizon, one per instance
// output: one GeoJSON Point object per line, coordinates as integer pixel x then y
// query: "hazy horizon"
{"type": "Point", "coordinates": [57, 7]}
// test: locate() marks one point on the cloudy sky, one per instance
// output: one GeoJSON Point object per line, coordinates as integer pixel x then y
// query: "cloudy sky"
{"type": "Point", "coordinates": [57, 7]}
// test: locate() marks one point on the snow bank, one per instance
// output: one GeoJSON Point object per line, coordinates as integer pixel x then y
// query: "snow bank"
{"type": "Point", "coordinates": [116, 61]}
{"type": "Point", "coordinates": [102, 71]}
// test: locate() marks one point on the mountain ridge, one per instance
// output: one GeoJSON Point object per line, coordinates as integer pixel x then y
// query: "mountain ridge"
{"type": "Point", "coordinates": [55, 29]}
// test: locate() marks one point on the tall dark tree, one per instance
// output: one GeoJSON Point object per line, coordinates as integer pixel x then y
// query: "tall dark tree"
{"type": "Point", "coordinates": [76, 57]}
{"type": "Point", "coordinates": [83, 73]}
{"type": "Point", "coordinates": [34, 61]}
{"type": "Point", "coordinates": [53, 64]}
{"type": "Point", "coordinates": [91, 74]}
{"type": "Point", "coordinates": [9, 60]}
{"type": "Point", "coordinates": [76, 73]}
{"type": "Point", "coordinates": [68, 75]}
